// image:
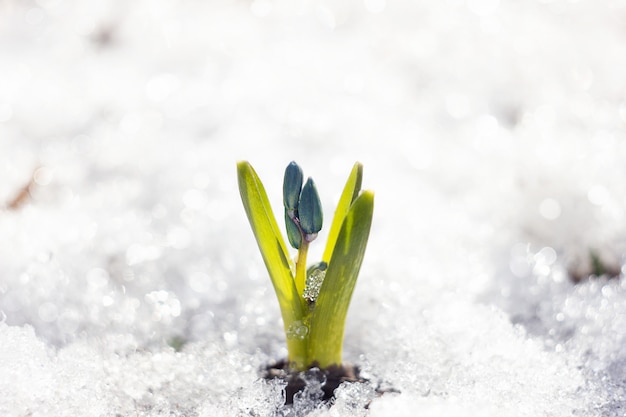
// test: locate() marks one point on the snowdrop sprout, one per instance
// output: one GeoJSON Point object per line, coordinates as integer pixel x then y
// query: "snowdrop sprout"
{"type": "Point", "coordinates": [131, 114]}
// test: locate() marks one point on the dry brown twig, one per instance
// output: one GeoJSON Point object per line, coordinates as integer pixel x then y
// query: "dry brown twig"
{"type": "Point", "coordinates": [23, 195]}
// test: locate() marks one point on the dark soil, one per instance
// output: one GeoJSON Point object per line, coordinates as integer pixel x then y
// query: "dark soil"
{"type": "Point", "coordinates": [329, 379]}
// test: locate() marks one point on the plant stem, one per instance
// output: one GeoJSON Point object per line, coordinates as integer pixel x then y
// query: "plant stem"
{"type": "Point", "coordinates": [298, 344]}
{"type": "Point", "coordinates": [301, 266]}
{"type": "Point", "coordinates": [298, 349]}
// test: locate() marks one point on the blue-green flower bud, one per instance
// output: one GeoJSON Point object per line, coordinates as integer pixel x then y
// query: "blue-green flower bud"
{"type": "Point", "coordinates": [310, 209]}
{"type": "Point", "coordinates": [292, 185]}
{"type": "Point", "coordinates": [293, 231]}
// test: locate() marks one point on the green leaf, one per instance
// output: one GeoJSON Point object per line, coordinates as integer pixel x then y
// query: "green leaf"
{"type": "Point", "coordinates": [349, 194]}
{"type": "Point", "coordinates": [329, 316]}
{"type": "Point", "coordinates": [274, 252]}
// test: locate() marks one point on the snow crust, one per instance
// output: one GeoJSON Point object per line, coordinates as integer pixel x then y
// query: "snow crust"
{"type": "Point", "coordinates": [492, 131]}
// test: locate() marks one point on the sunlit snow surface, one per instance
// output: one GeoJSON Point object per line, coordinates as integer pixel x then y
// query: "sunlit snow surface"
{"type": "Point", "coordinates": [493, 133]}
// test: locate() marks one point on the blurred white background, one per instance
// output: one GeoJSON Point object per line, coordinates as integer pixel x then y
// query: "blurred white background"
{"type": "Point", "coordinates": [493, 132]}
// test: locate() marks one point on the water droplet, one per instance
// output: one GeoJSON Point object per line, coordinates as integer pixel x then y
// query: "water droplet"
{"type": "Point", "coordinates": [297, 330]}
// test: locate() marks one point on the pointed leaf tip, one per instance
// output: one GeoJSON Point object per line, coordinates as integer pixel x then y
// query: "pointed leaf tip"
{"type": "Point", "coordinates": [357, 171]}
{"type": "Point", "coordinates": [350, 193]}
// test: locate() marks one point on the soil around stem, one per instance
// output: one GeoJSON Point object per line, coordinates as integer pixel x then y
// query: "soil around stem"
{"type": "Point", "coordinates": [329, 378]}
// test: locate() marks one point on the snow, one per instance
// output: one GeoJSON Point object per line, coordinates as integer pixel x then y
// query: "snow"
{"type": "Point", "coordinates": [493, 133]}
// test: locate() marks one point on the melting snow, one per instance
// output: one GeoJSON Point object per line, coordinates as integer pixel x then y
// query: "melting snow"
{"type": "Point", "coordinates": [492, 132]}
